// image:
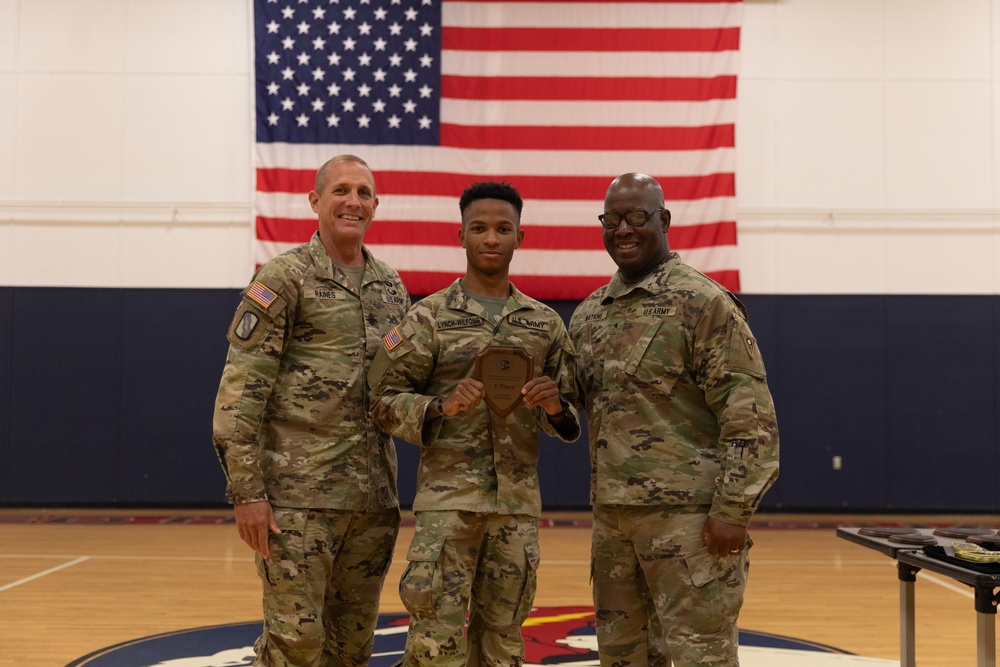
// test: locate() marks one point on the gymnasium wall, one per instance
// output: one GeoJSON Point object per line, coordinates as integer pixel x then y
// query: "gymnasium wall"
{"type": "Point", "coordinates": [107, 399]}
{"type": "Point", "coordinates": [867, 181]}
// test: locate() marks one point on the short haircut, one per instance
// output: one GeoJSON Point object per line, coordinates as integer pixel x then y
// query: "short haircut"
{"type": "Point", "coordinates": [491, 190]}
{"type": "Point", "coordinates": [345, 157]}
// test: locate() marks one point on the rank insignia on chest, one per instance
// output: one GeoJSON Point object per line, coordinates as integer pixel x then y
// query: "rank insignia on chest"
{"type": "Point", "coordinates": [261, 294]}
{"type": "Point", "coordinates": [392, 339]}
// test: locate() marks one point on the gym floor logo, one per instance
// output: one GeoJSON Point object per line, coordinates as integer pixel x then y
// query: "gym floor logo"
{"type": "Point", "coordinates": [552, 636]}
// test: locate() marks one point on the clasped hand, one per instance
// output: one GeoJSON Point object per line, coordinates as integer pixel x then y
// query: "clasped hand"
{"type": "Point", "coordinates": [540, 392]}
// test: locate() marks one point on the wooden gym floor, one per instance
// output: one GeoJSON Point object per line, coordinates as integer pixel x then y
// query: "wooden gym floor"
{"type": "Point", "coordinates": [75, 581]}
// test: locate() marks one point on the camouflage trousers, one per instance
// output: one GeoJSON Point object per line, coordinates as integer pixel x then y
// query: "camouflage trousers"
{"type": "Point", "coordinates": [467, 562]}
{"type": "Point", "coordinates": [322, 582]}
{"type": "Point", "coordinates": [658, 594]}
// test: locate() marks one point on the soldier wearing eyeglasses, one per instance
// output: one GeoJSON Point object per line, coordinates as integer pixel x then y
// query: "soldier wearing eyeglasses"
{"type": "Point", "coordinates": [683, 443]}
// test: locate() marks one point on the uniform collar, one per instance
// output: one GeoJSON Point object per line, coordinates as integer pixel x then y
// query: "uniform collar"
{"type": "Point", "coordinates": [653, 282]}
{"type": "Point", "coordinates": [326, 268]}
{"type": "Point", "coordinates": [457, 299]}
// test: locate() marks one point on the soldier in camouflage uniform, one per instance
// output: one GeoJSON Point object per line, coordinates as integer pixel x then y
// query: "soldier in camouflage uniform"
{"type": "Point", "coordinates": [683, 444]}
{"type": "Point", "coordinates": [475, 549]}
{"type": "Point", "coordinates": [312, 481]}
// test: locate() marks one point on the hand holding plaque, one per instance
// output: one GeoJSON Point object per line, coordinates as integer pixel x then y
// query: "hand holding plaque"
{"type": "Point", "coordinates": [503, 372]}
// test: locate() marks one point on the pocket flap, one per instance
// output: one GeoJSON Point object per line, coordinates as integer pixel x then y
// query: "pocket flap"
{"type": "Point", "coordinates": [639, 349]}
{"type": "Point", "coordinates": [424, 547]}
{"type": "Point", "coordinates": [704, 567]}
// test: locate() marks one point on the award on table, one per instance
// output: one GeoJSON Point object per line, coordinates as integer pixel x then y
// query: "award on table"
{"type": "Point", "coordinates": [504, 371]}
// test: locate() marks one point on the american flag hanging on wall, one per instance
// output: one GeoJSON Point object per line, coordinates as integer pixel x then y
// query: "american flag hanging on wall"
{"type": "Point", "coordinates": [556, 98]}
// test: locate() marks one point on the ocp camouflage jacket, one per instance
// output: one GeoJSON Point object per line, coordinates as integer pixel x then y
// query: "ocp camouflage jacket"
{"type": "Point", "coordinates": [475, 460]}
{"type": "Point", "coordinates": [678, 407]}
{"type": "Point", "coordinates": [291, 417]}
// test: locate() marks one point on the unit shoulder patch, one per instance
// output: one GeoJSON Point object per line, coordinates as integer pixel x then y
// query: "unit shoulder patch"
{"type": "Point", "coordinates": [245, 325]}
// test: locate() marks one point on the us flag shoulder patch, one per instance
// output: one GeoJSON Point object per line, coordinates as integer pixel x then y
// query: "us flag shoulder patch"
{"type": "Point", "coordinates": [261, 294]}
{"type": "Point", "coordinates": [392, 339]}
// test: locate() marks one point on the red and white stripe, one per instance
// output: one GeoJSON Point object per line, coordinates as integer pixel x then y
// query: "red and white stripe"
{"type": "Point", "coordinates": [556, 98]}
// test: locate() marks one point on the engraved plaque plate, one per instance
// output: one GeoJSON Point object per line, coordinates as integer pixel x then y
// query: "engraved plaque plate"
{"type": "Point", "coordinates": [504, 371]}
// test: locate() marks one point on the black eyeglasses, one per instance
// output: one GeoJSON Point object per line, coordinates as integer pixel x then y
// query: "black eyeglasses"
{"type": "Point", "coordinates": [632, 218]}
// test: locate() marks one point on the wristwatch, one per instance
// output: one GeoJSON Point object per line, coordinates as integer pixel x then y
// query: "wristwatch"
{"type": "Point", "coordinates": [439, 406]}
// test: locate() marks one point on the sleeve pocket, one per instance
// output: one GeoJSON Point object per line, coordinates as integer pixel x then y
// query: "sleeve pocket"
{"type": "Point", "coordinates": [249, 327]}
{"type": "Point", "coordinates": [744, 356]}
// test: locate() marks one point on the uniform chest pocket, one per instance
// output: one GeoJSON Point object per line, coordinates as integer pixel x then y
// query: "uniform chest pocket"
{"type": "Point", "coordinates": [653, 360]}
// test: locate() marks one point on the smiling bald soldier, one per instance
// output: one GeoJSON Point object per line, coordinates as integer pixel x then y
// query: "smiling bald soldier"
{"type": "Point", "coordinates": [683, 443]}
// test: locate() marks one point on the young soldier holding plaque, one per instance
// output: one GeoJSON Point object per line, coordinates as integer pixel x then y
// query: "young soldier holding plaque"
{"type": "Point", "coordinates": [470, 375]}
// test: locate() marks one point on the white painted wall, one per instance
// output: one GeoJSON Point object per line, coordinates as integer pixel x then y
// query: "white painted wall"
{"type": "Point", "coordinates": [125, 142]}
{"type": "Point", "coordinates": [866, 142]}
{"type": "Point", "coordinates": [867, 146]}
